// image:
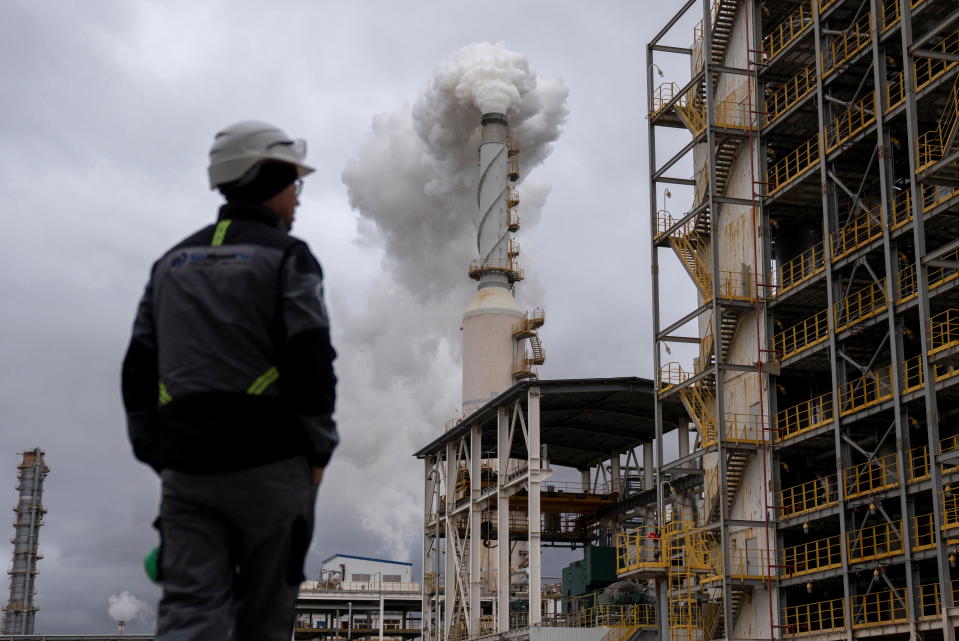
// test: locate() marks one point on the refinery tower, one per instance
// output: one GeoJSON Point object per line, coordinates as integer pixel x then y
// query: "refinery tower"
{"type": "Point", "coordinates": [494, 326]}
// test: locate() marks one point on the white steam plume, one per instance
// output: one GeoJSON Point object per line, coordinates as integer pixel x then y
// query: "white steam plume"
{"type": "Point", "coordinates": [413, 183]}
{"type": "Point", "coordinates": [126, 607]}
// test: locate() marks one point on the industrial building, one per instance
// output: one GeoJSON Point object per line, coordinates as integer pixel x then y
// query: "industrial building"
{"type": "Point", "coordinates": [793, 469]}
{"type": "Point", "coordinates": [819, 230]}
{"type": "Point", "coordinates": [359, 597]}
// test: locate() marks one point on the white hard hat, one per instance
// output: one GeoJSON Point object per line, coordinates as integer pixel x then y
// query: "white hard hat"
{"type": "Point", "coordinates": [243, 145]}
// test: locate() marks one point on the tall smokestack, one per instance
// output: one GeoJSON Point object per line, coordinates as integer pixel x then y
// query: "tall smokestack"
{"type": "Point", "coordinates": [490, 363]}
{"type": "Point", "coordinates": [19, 614]}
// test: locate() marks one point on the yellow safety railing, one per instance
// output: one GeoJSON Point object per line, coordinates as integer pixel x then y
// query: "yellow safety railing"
{"type": "Point", "coordinates": [900, 211]}
{"type": "Point", "coordinates": [814, 617]}
{"type": "Point", "coordinates": [867, 544]}
{"type": "Point", "coordinates": [950, 507]}
{"type": "Point", "coordinates": [869, 477]}
{"type": "Point", "coordinates": [745, 563]}
{"type": "Point", "coordinates": [928, 70]}
{"type": "Point", "coordinates": [944, 330]}
{"type": "Point", "coordinates": [861, 230]}
{"type": "Point", "coordinates": [803, 335]}
{"type": "Point", "coordinates": [856, 118]}
{"type": "Point", "coordinates": [800, 268]}
{"type": "Point", "coordinates": [736, 286]}
{"type": "Point", "coordinates": [936, 277]}
{"type": "Point", "coordinates": [804, 416]}
{"type": "Point", "coordinates": [690, 247]}
{"type": "Point", "coordinates": [867, 391]}
{"type": "Point", "coordinates": [933, 195]}
{"type": "Point", "coordinates": [795, 25]}
{"type": "Point", "coordinates": [935, 144]}
{"type": "Point", "coordinates": [949, 444]}
{"type": "Point", "coordinates": [813, 556]}
{"type": "Point", "coordinates": [878, 608]}
{"type": "Point", "coordinates": [924, 530]}
{"type": "Point", "coordinates": [792, 165]}
{"type": "Point", "coordinates": [743, 428]}
{"type": "Point", "coordinates": [861, 304]}
{"type": "Point", "coordinates": [825, 4]}
{"type": "Point", "coordinates": [875, 542]}
{"type": "Point", "coordinates": [888, 15]}
{"type": "Point", "coordinates": [790, 92]}
{"type": "Point", "coordinates": [918, 458]}
{"type": "Point", "coordinates": [929, 604]}
{"type": "Point", "coordinates": [664, 93]}
{"type": "Point", "coordinates": [671, 374]}
{"type": "Point", "coordinates": [809, 496]}
{"type": "Point", "coordinates": [844, 46]}
{"type": "Point", "coordinates": [700, 402]}
{"type": "Point", "coordinates": [639, 549]}
{"type": "Point", "coordinates": [912, 376]}
{"type": "Point", "coordinates": [895, 90]}
{"type": "Point", "coordinates": [732, 114]}
{"type": "Point", "coordinates": [610, 616]}
{"type": "Point", "coordinates": [665, 220]}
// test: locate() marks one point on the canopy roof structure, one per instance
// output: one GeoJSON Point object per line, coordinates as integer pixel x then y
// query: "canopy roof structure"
{"type": "Point", "coordinates": [581, 420]}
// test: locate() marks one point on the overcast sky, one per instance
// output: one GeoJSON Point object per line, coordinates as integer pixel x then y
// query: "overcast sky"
{"type": "Point", "coordinates": [108, 111]}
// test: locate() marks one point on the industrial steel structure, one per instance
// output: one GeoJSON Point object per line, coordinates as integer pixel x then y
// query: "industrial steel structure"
{"type": "Point", "coordinates": [819, 229]}
{"type": "Point", "coordinates": [490, 488]}
{"type": "Point", "coordinates": [20, 613]}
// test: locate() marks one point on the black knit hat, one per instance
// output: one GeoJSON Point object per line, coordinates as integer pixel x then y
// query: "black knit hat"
{"type": "Point", "coordinates": [260, 183]}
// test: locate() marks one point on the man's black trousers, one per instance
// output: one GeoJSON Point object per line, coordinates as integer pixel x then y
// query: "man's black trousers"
{"type": "Point", "coordinates": [232, 552]}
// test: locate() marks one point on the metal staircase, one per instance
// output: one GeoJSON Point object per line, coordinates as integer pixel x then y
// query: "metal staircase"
{"type": "Point", "coordinates": [736, 461]}
{"type": "Point", "coordinates": [714, 623]}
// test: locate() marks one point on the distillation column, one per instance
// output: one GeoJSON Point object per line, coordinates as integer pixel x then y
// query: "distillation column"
{"type": "Point", "coordinates": [20, 613]}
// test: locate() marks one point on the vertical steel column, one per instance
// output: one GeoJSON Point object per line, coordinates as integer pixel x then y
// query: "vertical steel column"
{"type": "Point", "coordinates": [886, 178]}
{"type": "Point", "coordinates": [450, 590]}
{"type": "Point", "coordinates": [616, 474]}
{"type": "Point", "coordinates": [827, 224]}
{"type": "Point", "coordinates": [662, 587]}
{"type": "Point", "coordinates": [535, 559]}
{"type": "Point", "coordinates": [649, 471]}
{"type": "Point", "coordinates": [476, 486]}
{"type": "Point", "coordinates": [502, 520]}
{"type": "Point", "coordinates": [429, 489]}
{"type": "Point", "coordinates": [922, 287]}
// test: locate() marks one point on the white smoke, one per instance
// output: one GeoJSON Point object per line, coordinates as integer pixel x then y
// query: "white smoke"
{"type": "Point", "coordinates": [126, 607]}
{"type": "Point", "coordinates": [413, 183]}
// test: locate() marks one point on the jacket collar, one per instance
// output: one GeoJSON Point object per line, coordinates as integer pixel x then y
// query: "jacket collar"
{"type": "Point", "coordinates": [255, 212]}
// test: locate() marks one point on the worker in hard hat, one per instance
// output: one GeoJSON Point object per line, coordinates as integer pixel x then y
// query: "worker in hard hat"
{"type": "Point", "coordinates": [229, 389]}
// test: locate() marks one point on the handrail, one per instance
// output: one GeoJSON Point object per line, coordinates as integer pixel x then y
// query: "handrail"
{"type": "Point", "coordinates": [854, 119]}
{"type": "Point", "coordinates": [800, 268]}
{"type": "Point", "coordinates": [812, 556]}
{"type": "Point", "coordinates": [866, 391]}
{"type": "Point", "coordinates": [872, 476]}
{"type": "Point", "coordinates": [802, 336]}
{"type": "Point", "coordinates": [875, 542]}
{"type": "Point", "coordinates": [789, 93]}
{"type": "Point", "coordinates": [862, 304]}
{"type": "Point", "coordinates": [639, 548]}
{"type": "Point", "coordinates": [804, 416]}
{"type": "Point", "coordinates": [844, 46]}
{"type": "Point", "coordinates": [810, 496]}
{"type": "Point", "coordinates": [795, 25]}
{"type": "Point", "coordinates": [862, 229]}
{"type": "Point", "coordinates": [790, 167]}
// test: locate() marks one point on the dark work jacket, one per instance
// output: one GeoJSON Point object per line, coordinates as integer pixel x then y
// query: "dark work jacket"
{"type": "Point", "coordinates": [230, 365]}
